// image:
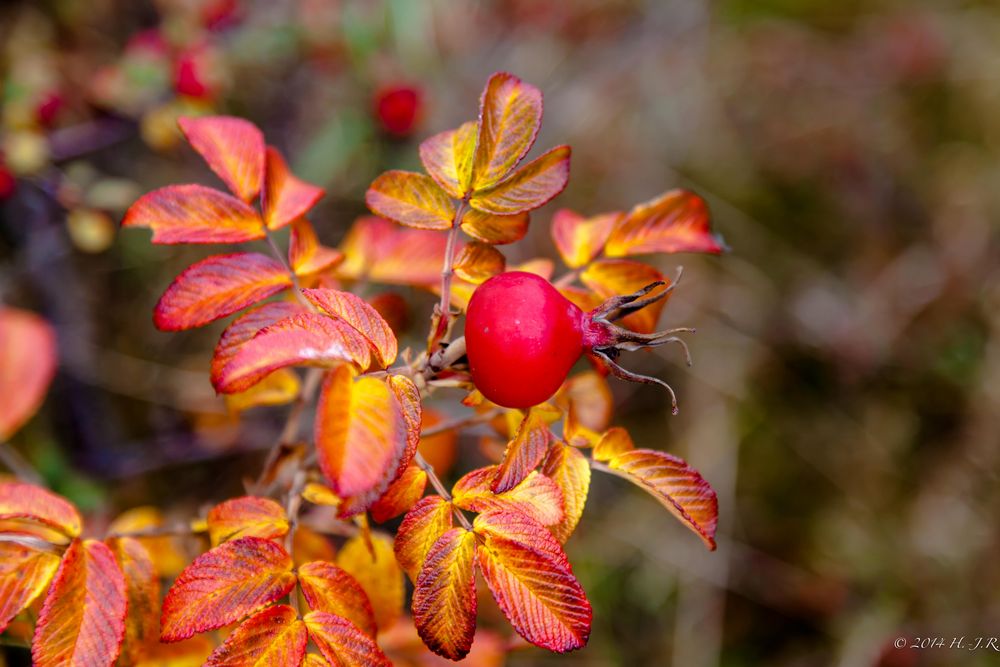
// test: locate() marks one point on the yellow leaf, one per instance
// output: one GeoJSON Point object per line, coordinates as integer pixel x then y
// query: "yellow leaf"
{"type": "Point", "coordinates": [419, 530]}
{"type": "Point", "coordinates": [478, 262]}
{"type": "Point", "coordinates": [447, 157]}
{"type": "Point", "coordinates": [495, 229]}
{"type": "Point", "coordinates": [278, 388]}
{"type": "Point", "coordinates": [411, 199]}
{"type": "Point", "coordinates": [274, 636]}
{"type": "Point", "coordinates": [379, 576]}
{"type": "Point", "coordinates": [510, 113]}
{"type": "Point", "coordinates": [24, 574]}
{"type": "Point", "coordinates": [327, 587]}
{"type": "Point", "coordinates": [579, 239]}
{"type": "Point", "coordinates": [537, 496]}
{"type": "Point", "coordinates": [247, 516]}
{"type": "Point", "coordinates": [531, 186]}
{"type": "Point", "coordinates": [524, 452]}
{"type": "Point", "coordinates": [570, 470]}
{"type": "Point", "coordinates": [444, 599]}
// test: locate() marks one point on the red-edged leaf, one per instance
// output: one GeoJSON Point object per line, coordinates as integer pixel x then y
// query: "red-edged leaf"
{"type": "Point", "coordinates": [142, 591]}
{"type": "Point", "coordinates": [232, 147]}
{"type": "Point", "coordinates": [524, 452]}
{"type": "Point", "coordinates": [285, 197]}
{"type": "Point", "coordinates": [380, 251]}
{"type": "Point", "coordinates": [679, 487]}
{"type": "Point", "coordinates": [528, 188]}
{"type": "Point", "coordinates": [83, 619]}
{"type": "Point", "coordinates": [495, 229]}
{"type": "Point", "coordinates": [510, 113]}
{"type": "Point", "coordinates": [444, 599]}
{"type": "Point", "coordinates": [420, 529]}
{"type": "Point", "coordinates": [307, 339]}
{"type": "Point", "coordinates": [362, 316]}
{"type": "Point", "coordinates": [532, 581]}
{"type": "Point", "coordinates": [247, 516]}
{"type": "Point", "coordinates": [245, 327]}
{"type": "Point", "coordinates": [342, 643]}
{"type": "Point", "coordinates": [218, 286]}
{"type": "Point", "coordinates": [194, 214]}
{"type": "Point", "coordinates": [27, 363]}
{"type": "Point", "coordinates": [360, 433]}
{"type": "Point", "coordinates": [230, 582]}
{"type": "Point", "coordinates": [613, 442]}
{"type": "Point", "coordinates": [373, 565]}
{"type": "Point", "coordinates": [306, 255]}
{"type": "Point", "coordinates": [537, 496]}
{"type": "Point", "coordinates": [478, 262]}
{"type": "Point", "coordinates": [32, 510]}
{"type": "Point", "coordinates": [274, 636]}
{"type": "Point", "coordinates": [447, 157]}
{"type": "Point", "coordinates": [328, 588]}
{"type": "Point", "coordinates": [677, 221]}
{"type": "Point", "coordinates": [401, 494]}
{"type": "Point", "coordinates": [579, 239]}
{"type": "Point", "coordinates": [410, 199]}
{"type": "Point", "coordinates": [24, 574]}
{"type": "Point", "coordinates": [570, 470]}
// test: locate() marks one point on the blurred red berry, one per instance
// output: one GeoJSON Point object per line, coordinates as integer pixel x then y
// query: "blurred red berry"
{"type": "Point", "coordinates": [220, 14]}
{"type": "Point", "coordinates": [7, 182]}
{"type": "Point", "coordinates": [398, 109]}
{"type": "Point", "coordinates": [48, 108]}
{"type": "Point", "coordinates": [188, 78]}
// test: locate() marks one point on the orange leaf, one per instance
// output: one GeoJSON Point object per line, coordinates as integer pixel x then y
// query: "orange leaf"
{"type": "Point", "coordinates": [447, 157]}
{"type": "Point", "coordinates": [495, 229]}
{"type": "Point", "coordinates": [218, 286]}
{"type": "Point", "coordinates": [247, 516]}
{"type": "Point", "coordinates": [168, 555]}
{"type": "Point", "coordinates": [588, 396]}
{"type": "Point", "coordinates": [142, 591]}
{"type": "Point", "coordinates": [305, 254]}
{"type": "Point", "coordinates": [274, 636]}
{"type": "Point", "coordinates": [232, 147]}
{"type": "Point", "coordinates": [410, 199]}
{"type": "Point", "coordinates": [378, 575]}
{"type": "Point", "coordinates": [194, 214]}
{"type": "Point", "coordinates": [524, 452]}
{"type": "Point", "coordinates": [308, 339]}
{"type": "Point", "coordinates": [29, 509]}
{"type": "Point", "coordinates": [230, 582]}
{"type": "Point", "coordinates": [27, 363]}
{"type": "Point", "coordinates": [83, 619]}
{"type": "Point", "coordinates": [279, 388]}
{"type": "Point", "coordinates": [24, 574]}
{"type": "Point", "coordinates": [420, 529]}
{"type": "Point", "coordinates": [677, 221]}
{"type": "Point", "coordinates": [444, 600]}
{"type": "Point", "coordinates": [315, 660]}
{"type": "Point", "coordinates": [285, 197]}
{"type": "Point", "coordinates": [380, 251]}
{"type": "Point", "coordinates": [360, 433]}
{"type": "Point", "coordinates": [362, 316]}
{"type": "Point", "coordinates": [570, 470]}
{"type": "Point", "coordinates": [245, 327]}
{"type": "Point", "coordinates": [614, 277]}
{"type": "Point", "coordinates": [537, 495]}
{"type": "Point", "coordinates": [478, 262]}
{"type": "Point", "coordinates": [510, 113]}
{"type": "Point", "coordinates": [342, 643]}
{"type": "Point", "coordinates": [532, 581]}
{"type": "Point", "coordinates": [328, 588]}
{"type": "Point", "coordinates": [679, 487]}
{"type": "Point", "coordinates": [401, 494]}
{"type": "Point", "coordinates": [531, 186]}
{"type": "Point", "coordinates": [613, 442]}
{"type": "Point", "coordinates": [579, 239]}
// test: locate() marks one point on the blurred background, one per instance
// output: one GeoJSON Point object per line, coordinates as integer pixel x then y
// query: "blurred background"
{"type": "Point", "coordinates": [845, 397]}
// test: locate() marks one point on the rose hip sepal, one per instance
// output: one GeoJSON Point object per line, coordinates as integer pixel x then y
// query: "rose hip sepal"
{"type": "Point", "coordinates": [523, 337]}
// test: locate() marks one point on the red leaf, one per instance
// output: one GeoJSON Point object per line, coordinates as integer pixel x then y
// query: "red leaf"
{"type": "Point", "coordinates": [524, 452]}
{"type": "Point", "coordinates": [677, 221]}
{"type": "Point", "coordinates": [362, 316]}
{"type": "Point", "coordinates": [420, 529]}
{"type": "Point", "coordinates": [39, 509]}
{"type": "Point", "coordinates": [194, 214]}
{"type": "Point", "coordinates": [274, 636]}
{"type": "Point", "coordinates": [342, 643]}
{"type": "Point", "coordinates": [305, 254]}
{"type": "Point", "coordinates": [218, 286]}
{"type": "Point", "coordinates": [27, 363]}
{"type": "Point", "coordinates": [444, 599]}
{"type": "Point", "coordinates": [83, 619]}
{"type": "Point", "coordinates": [232, 147]}
{"type": "Point", "coordinates": [230, 582]}
{"type": "Point", "coordinates": [328, 588]}
{"type": "Point", "coordinates": [285, 197]}
{"type": "Point", "coordinates": [401, 494]}
{"type": "Point", "coordinates": [245, 327]}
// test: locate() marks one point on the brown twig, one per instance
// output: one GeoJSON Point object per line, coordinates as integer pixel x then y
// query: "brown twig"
{"type": "Point", "coordinates": [18, 465]}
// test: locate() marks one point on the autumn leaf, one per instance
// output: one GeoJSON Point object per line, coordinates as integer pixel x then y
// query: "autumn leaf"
{"type": "Point", "coordinates": [537, 496]}
{"type": "Point", "coordinates": [27, 363]}
{"type": "Point", "coordinates": [380, 251]}
{"type": "Point", "coordinates": [230, 582]}
{"type": "Point", "coordinates": [613, 442]}
{"type": "Point", "coordinates": [495, 229]}
{"type": "Point", "coordinates": [82, 621]}
{"type": "Point", "coordinates": [194, 214]}
{"type": "Point", "coordinates": [524, 452]}
{"type": "Point", "coordinates": [245, 327]}
{"type": "Point", "coordinates": [401, 494]}
{"type": "Point", "coordinates": [447, 157]}
{"type": "Point", "coordinates": [444, 599]}
{"type": "Point", "coordinates": [274, 636]}
{"type": "Point", "coordinates": [166, 551]}
{"type": "Point", "coordinates": [510, 113]}
{"type": "Point", "coordinates": [615, 277]}
{"type": "Point", "coordinates": [679, 487]}
{"type": "Point", "coordinates": [528, 188]}
{"type": "Point", "coordinates": [677, 221]}
{"type": "Point", "coordinates": [328, 588]}
{"type": "Point", "coordinates": [579, 240]}
{"type": "Point", "coordinates": [279, 388]}
{"type": "Point", "coordinates": [588, 396]}
{"type": "Point", "coordinates": [362, 316]}
{"type": "Point", "coordinates": [570, 470]}
{"type": "Point", "coordinates": [532, 581]}
{"type": "Point", "coordinates": [378, 575]}
{"type": "Point", "coordinates": [306, 255]}
{"type": "Point", "coordinates": [411, 199]}
{"type": "Point", "coordinates": [285, 198]}
{"type": "Point", "coordinates": [308, 339]}
{"type": "Point", "coordinates": [232, 147]}
{"type": "Point", "coordinates": [420, 529]}
{"type": "Point", "coordinates": [477, 262]}
{"type": "Point", "coordinates": [247, 516]}
{"type": "Point", "coordinates": [218, 286]}
{"type": "Point", "coordinates": [142, 593]}
{"type": "Point", "coordinates": [32, 510]}
{"type": "Point", "coordinates": [24, 574]}
{"type": "Point", "coordinates": [342, 643]}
